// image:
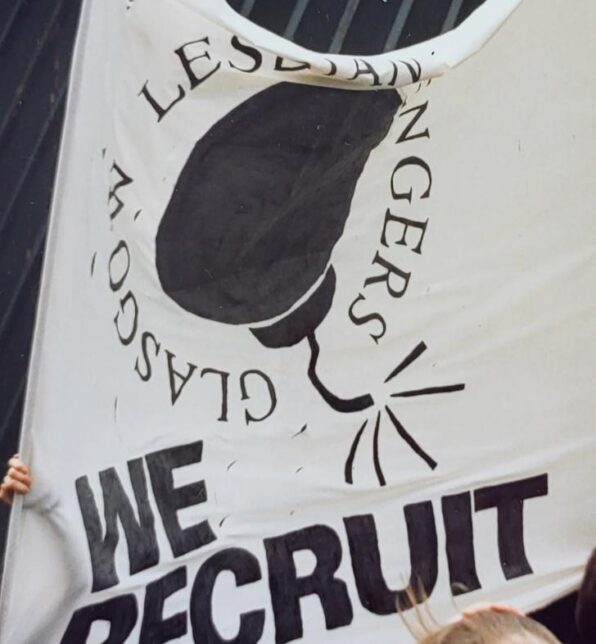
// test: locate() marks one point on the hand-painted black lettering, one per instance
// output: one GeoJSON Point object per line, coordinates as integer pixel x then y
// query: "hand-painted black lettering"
{"type": "Point", "coordinates": [393, 79]}
{"type": "Point", "coordinates": [415, 69]}
{"type": "Point", "coordinates": [408, 162]}
{"type": "Point", "coordinates": [333, 68]}
{"type": "Point", "coordinates": [251, 52]}
{"type": "Point", "coordinates": [245, 568]}
{"type": "Point", "coordinates": [390, 270]}
{"type": "Point", "coordinates": [418, 110]}
{"type": "Point", "coordinates": [373, 591]}
{"type": "Point", "coordinates": [508, 499]}
{"type": "Point", "coordinates": [193, 79]}
{"type": "Point", "coordinates": [116, 283]}
{"type": "Point", "coordinates": [124, 180]}
{"type": "Point", "coordinates": [129, 298]}
{"type": "Point", "coordinates": [170, 499]}
{"type": "Point", "coordinates": [145, 337]}
{"type": "Point", "coordinates": [249, 418]}
{"type": "Point", "coordinates": [281, 67]}
{"type": "Point", "coordinates": [359, 320]}
{"type": "Point", "coordinates": [159, 110]}
{"type": "Point", "coordinates": [224, 377]}
{"type": "Point", "coordinates": [287, 587]}
{"type": "Point", "coordinates": [121, 612]}
{"type": "Point", "coordinates": [143, 551]}
{"type": "Point", "coordinates": [176, 390]}
{"type": "Point", "coordinates": [154, 628]}
{"type": "Point", "coordinates": [459, 545]}
{"type": "Point", "coordinates": [364, 68]}
{"type": "Point", "coordinates": [406, 223]}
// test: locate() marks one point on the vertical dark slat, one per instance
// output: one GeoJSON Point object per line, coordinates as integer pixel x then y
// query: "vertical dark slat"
{"type": "Point", "coordinates": [23, 240]}
{"type": "Point", "coordinates": [452, 14]}
{"type": "Point", "coordinates": [468, 7]}
{"type": "Point", "coordinates": [23, 276]}
{"type": "Point", "coordinates": [9, 19]}
{"type": "Point", "coordinates": [38, 101]}
{"type": "Point", "coordinates": [318, 24]}
{"type": "Point", "coordinates": [299, 9]}
{"type": "Point", "coordinates": [16, 344]}
{"type": "Point", "coordinates": [398, 25]}
{"type": "Point", "coordinates": [22, 181]}
{"type": "Point", "coordinates": [344, 25]}
{"type": "Point", "coordinates": [32, 61]}
{"type": "Point", "coordinates": [425, 21]}
{"type": "Point", "coordinates": [247, 7]}
{"type": "Point", "coordinates": [9, 434]}
{"type": "Point", "coordinates": [12, 409]}
{"type": "Point", "coordinates": [272, 15]}
{"type": "Point", "coordinates": [354, 27]}
{"type": "Point", "coordinates": [370, 27]}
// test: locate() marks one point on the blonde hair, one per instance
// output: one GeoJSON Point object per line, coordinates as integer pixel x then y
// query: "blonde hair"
{"type": "Point", "coordinates": [490, 627]}
{"type": "Point", "coordinates": [493, 624]}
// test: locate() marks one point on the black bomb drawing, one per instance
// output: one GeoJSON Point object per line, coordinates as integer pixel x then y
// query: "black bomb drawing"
{"type": "Point", "coordinates": [261, 201]}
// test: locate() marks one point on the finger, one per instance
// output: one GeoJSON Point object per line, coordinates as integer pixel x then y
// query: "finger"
{"type": "Point", "coordinates": [19, 476]}
{"type": "Point", "coordinates": [16, 486]}
{"type": "Point", "coordinates": [5, 495]}
{"type": "Point", "coordinates": [17, 472]}
{"type": "Point", "coordinates": [19, 465]}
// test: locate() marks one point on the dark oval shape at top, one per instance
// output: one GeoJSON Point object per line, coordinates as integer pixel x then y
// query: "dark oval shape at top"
{"type": "Point", "coordinates": [264, 197]}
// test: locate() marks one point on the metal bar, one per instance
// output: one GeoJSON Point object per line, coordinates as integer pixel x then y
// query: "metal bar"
{"type": "Point", "coordinates": [24, 274]}
{"type": "Point", "coordinates": [343, 26]}
{"type": "Point", "coordinates": [398, 25]}
{"type": "Point", "coordinates": [40, 45]}
{"type": "Point", "coordinates": [452, 14]}
{"type": "Point", "coordinates": [12, 406]}
{"type": "Point", "coordinates": [16, 7]}
{"type": "Point", "coordinates": [246, 8]}
{"type": "Point", "coordinates": [294, 22]}
{"type": "Point", "coordinates": [33, 156]}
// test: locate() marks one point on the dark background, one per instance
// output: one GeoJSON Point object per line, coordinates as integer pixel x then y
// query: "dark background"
{"type": "Point", "coordinates": [36, 41]}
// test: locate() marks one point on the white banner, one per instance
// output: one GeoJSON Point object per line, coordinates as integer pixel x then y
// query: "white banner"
{"type": "Point", "coordinates": [313, 329]}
